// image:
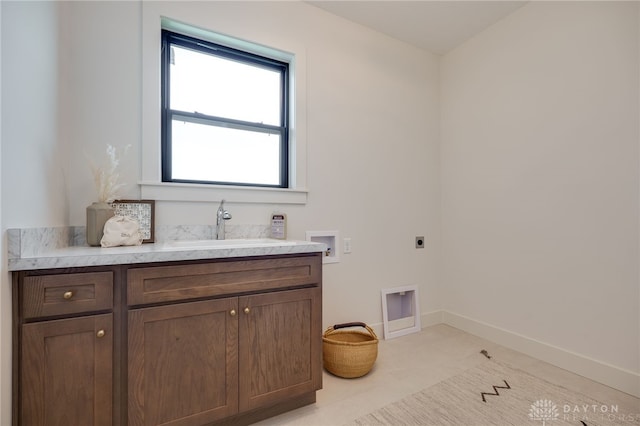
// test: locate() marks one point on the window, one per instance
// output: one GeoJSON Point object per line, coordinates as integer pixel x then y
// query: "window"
{"type": "Point", "coordinates": [224, 115]}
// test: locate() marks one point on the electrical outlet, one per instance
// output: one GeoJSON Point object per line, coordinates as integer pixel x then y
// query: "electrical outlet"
{"type": "Point", "coordinates": [420, 242]}
{"type": "Point", "coordinates": [347, 245]}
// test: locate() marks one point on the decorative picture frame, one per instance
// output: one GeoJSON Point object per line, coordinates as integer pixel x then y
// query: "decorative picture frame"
{"type": "Point", "coordinates": [141, 210]}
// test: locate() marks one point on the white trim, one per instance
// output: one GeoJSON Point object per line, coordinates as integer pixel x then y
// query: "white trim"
{"type": "Point", "coordinates": [165, 191]}
{"type": "Point", "coordinates": [331, 239]}
{"type": "Point", "coordinates": [201, 21]}
{"type": "Point", "coordinates": [427, 319]}
{"type": "Point", "coordinates": [610, 375]}
{"type": "Point", "coordinates": [401, 326]}
{"type": "Point", "coordinates": [607, 374]}
{"type": "Point", "coordinates": [432, 318]}
{"type": "Point", "coordinates": [225, 40]}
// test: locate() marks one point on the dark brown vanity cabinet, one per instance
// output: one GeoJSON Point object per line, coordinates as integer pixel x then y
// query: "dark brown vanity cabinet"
{"type": "Point", "coordinates": [180, 343]}
{"type": "Point", "coordinates": [196, 362]}
{"type": "Point", "coordinates": [64, 339]}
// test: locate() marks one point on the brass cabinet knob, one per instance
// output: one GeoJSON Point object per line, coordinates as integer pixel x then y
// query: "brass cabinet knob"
{"type": "Point", "coordinates": [246, 310]}
{"type": "Point", "coordinates": [100, 333]}
{"type": "Point", "coordinates": [232, 313]}
{"type": "Point", "coordinates": [67, 295]}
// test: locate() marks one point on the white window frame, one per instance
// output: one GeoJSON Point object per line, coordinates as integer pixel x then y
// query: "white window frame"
{"type": "Point", "coordinates": [154, 17]}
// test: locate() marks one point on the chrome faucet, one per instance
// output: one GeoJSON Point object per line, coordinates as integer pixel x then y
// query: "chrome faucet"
{"type": "Point", "coordinates": [221, 216]}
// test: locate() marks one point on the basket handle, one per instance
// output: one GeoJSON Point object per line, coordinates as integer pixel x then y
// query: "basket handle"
{"type": "Point", "coordinates": [350, 324]}
{"type": "Point", "coordinates": [354, 324]}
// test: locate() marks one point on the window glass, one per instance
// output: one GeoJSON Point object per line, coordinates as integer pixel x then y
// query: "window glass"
{"type": "Point", "coordinates": [224, 117]}
{"type": "Point", "coordinates": [218, 154]}
{"type": "Point", "coordinates": [225, 88]}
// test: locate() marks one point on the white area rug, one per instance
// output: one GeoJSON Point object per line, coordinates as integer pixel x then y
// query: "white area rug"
{"type": "Point", "coordinates": [494, 394]}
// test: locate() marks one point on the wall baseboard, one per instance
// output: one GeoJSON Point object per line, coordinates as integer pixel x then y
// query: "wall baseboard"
{"type": "Point", "coordinates": [432, 318]}
{"type": "Point", "coordinates": [610, 375]}
{"type": "Point", "coordinates": [426, 320]}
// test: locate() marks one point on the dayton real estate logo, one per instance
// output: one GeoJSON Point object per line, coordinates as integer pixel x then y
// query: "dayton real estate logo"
{"type": "Point", "coordinates": [544, 410]}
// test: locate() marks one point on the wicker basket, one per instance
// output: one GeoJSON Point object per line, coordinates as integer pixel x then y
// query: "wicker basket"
{"type": "Point", "coordinates": [349, 353]}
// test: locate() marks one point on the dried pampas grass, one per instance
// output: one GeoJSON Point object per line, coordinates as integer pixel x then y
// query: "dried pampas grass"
{"type": "Point", "coordinates": [106, 177]}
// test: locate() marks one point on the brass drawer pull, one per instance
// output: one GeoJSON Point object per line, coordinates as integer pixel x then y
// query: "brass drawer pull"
{"type": "Point", "coordinates": [100, 333]}
{"type": "Point", "coordinates": [232, 313]}
{"type": "Point", "coordinates": [246, 310]}
{"type": "Point", "coordinates": [67, 295]}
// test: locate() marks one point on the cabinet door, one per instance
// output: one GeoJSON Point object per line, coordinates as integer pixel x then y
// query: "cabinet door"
{"type": "Point", "coordinates": [183, 363]}
{"type": "Point", "coordinates": [67, 372]}
{"type": "Point", "coordinates": [280, 346]}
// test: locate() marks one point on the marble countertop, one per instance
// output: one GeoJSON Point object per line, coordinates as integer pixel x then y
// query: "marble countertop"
{"type": "Point", "coordinates": [52, 253]}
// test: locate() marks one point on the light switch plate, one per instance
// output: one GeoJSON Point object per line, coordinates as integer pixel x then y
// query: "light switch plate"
{"type": "Point", "coordinates": [347, 245]}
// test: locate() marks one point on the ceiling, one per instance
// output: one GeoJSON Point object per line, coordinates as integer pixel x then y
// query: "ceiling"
{"type": "Point", "coordinates": [436, 26]}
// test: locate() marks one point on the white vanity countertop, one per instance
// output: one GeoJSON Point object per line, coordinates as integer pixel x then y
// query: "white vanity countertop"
{"type": "Point", "coordinates": [56, 256]}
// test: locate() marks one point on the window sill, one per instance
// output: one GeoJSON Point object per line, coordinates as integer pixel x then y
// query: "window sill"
{"type": "Point", "coordinates": [165, 191]}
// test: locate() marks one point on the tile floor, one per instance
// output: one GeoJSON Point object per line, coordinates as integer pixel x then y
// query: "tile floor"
{"type": "Point", "coordinates": [408, 364]}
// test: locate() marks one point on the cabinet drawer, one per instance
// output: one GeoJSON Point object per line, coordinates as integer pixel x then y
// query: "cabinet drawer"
{"type": "Point", "coordinates": [47, 295]}
{"type": "Point", "coordinates": [191, 281]}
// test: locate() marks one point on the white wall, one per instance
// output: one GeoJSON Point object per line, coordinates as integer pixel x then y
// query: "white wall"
{"type": "Point", "coordinates": [100, 67]}
{"type": "Point", "coordinates": [32, 156]}
{"type": "Point", "coordinates": [372, 136]}
{"type": "Point", "coordinates": [372, 132]}
{"type": "Point", "coordinates": [540, 131]}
